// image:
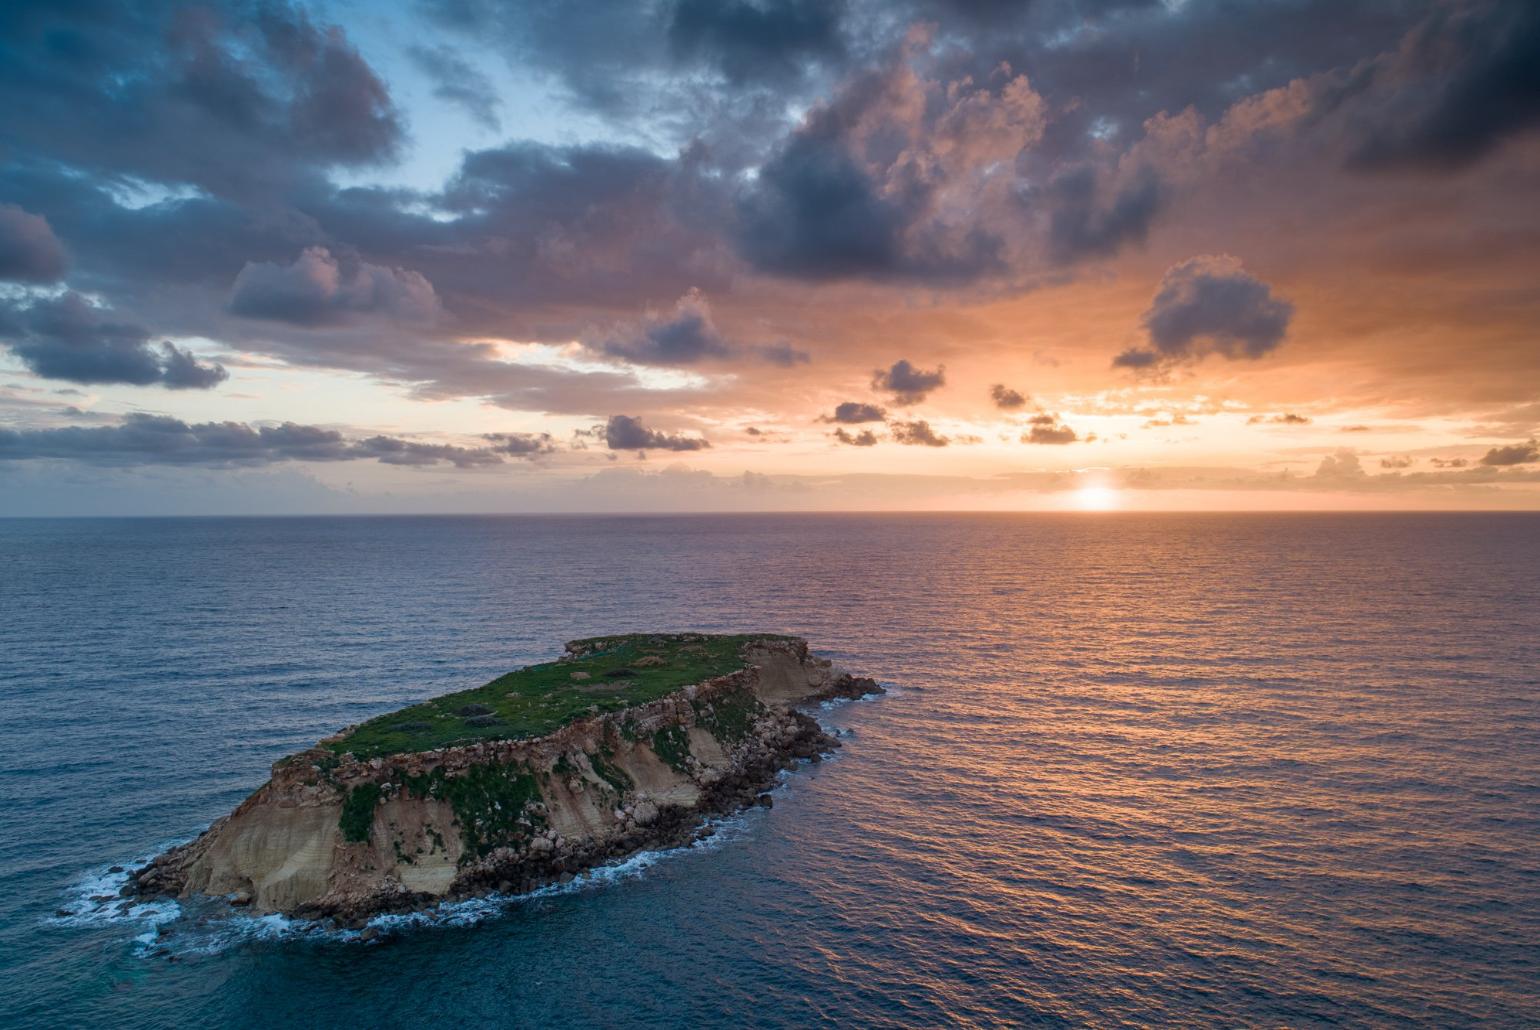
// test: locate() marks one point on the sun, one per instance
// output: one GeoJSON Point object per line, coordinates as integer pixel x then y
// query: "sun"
{"type": "Point", "coordinates": [1096, 497]}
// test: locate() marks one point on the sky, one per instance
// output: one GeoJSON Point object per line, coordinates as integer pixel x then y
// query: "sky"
{"type": "Point", "coordinates": [755, 255]}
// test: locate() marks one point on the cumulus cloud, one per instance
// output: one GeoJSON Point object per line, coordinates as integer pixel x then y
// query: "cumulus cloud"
{"type": "Point", "coordinates": [918, 434]}
{"type": "Point", "coordinates": [1342, 466]}
{"type": "Point", "coordinates": [626, 433]}
{"type": "Point", "coordinates": [319, 289]}
{"type": "Point", "coordinates": [898, 176]}
{"type": "Point", "coordinates": [865, 438]}
{"type": "Point", "coordinates": [1513, 454]}
{"type": "Point", "coordinates": [160, 440]}
{"type": "Point", "coordinates": [29, 251]}
{"type": "Point", "coordinates": [69, 338]}
{"type": "Point", "coordinates": [521, 445]}
{"type": "Point", "coordinates": [1047, 429]}
{"type": "Point", "coordinates": [684, 336]}
{"type": "Point", "coordinates": [1005, 398]}
{"type": "Point", "coordinates": [1210, 304]}
{"type": "Point", "coordinates": [854, 413]}
{"type": "Point", "coordinates": [907, 383]}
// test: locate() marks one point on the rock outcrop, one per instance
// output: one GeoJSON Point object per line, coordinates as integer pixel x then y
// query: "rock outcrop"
{"type": "Point", "coordinates": [344, 837]}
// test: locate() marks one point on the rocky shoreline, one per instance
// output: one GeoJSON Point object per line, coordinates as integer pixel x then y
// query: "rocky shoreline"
{"type": "Point", "coordinates": [344, 837]}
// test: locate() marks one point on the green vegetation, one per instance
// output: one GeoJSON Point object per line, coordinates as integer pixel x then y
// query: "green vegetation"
{"type": "Point", "coordinates": [730, 716]}
{"type": "Point", "coordinates": [358, 812]}
{"type": "Point", "coordinates": [490, 802]}
{"type": "Point", "coordinates": [616, 777]}
{"type": "Point", "coordinates": [612, 674]}
{"type": "Point", "coordinates": [672, 744]}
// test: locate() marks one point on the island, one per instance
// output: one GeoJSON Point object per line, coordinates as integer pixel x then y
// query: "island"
{"type": "Point", "coordinates": [622, 744]}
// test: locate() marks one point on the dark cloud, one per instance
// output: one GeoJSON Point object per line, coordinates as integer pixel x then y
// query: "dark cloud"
{"type": "Point", "coordinates": [1209, 304]}
{"type": "Point", "coordinates": [865, 438]}
{"type": "Point", "coordinates": [918, 434]}
{"type": "Point", "coordinates": [683, 337]}
{"type": "Point", "coordinates": [319, 289]}
{"type": "Point", "coordinates": [907, 383]}
{"type": "Point", "coordinates": [765, 40]}
{"type": "Point", "coordinates": [1397, 462]}
{"type": "Point", "coordinates": [240, 99]}
{"type": "Point", "coordinates": [1136, 358]}
{"type": "Point", "coordinates": [1449, 463]}
{"type": "Point", "coordinates": [625, 433]}
{"type": "Point", "coordinates": [1005, 398]}
{"type": "Point", "coordinates": [68, 338]}
{"type": "Point", "coordinates": [29, 251]}
{"type": "Point", "coordinates": [456, 81]}
{"type": "Point", "coordinates": [1463, 80]}
{"type": "Point", "coordinates": [1512, 454]}
{"type": "Point", "coordinates": [522, 445]}
{"type": "Point", "coordinates": [1047, 429]}
{"type": "Point", "coordinates": [1284, 419]}
{"type": "Point", "coordinates": [783, 354]}
{"type": "Point", "coordinates": [855, 412]}
{"type": "Point", "coordinates": [159, 440]}
{"type": "Point", "coordinates": [1084, 224]}
{"type": "Point", "coordinates": [897, 177]}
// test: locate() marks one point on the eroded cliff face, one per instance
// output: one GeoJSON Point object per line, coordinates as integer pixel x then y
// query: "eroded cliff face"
{"type": "Point", "coordinates": [336, 836]}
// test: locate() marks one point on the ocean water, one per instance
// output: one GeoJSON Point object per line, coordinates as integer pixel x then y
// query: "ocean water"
{"type": "Point", "coordinates": [1134, 769]}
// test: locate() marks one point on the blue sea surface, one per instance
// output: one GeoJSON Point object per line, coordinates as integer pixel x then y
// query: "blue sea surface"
{"type": "Point", "coordinates": [1239, 770]}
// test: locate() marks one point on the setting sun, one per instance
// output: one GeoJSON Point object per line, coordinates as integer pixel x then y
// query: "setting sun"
{"type": "Point", "coordinates": [1096, 497]}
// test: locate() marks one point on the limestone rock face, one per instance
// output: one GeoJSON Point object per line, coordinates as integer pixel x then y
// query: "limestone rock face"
{"type": "Point", "coordinates": [334, 836]}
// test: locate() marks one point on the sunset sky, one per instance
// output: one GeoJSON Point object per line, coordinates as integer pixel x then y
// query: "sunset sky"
{"type": "Point", "coordinates": [768, 254]}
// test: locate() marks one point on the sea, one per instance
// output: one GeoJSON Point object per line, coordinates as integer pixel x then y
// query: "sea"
{"type": "Point", "coordinates": [1132, 769]}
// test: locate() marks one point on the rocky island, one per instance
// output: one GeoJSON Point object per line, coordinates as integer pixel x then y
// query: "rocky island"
{"type": "Point", "coordinates": [622, 744]}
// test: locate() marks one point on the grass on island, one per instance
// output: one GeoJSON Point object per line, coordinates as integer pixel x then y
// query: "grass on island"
{"type": "Point", "coordinates": [621, 672]}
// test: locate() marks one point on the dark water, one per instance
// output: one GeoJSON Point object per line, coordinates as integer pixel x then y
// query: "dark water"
{"type": "Point", "coordinates": [1236, 770]}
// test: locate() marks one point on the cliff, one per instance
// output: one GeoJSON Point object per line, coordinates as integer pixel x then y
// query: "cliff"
{"type": "Point", "coordinates": [624, 743]}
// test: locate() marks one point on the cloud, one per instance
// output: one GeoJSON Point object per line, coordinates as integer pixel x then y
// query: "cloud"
{"type": "Point", "coordinates": [1005, 398]}
{"type": "Point", "coordinates": [1449, 463]}
{"type": "Point", "coordinates": [918, 434]}
{"type": "Point", "coordinates": [456, 81]}
{"type": "Point", "coordinates": [521, 445]}
{"type": "Point", "coordinates": [1047, 429]}
{"type": "Point", "coordinates": [1285, 419]}
{"type": "Point", "coordinates": [1083, 225]}
{"type": "Point", "coordinates": [1343, 466]}
{"type": "Point", "coordinates": [853, 413]}
{"type": "Point", "coordinates": [1209, 304]}
{"type": "Point", "coordinates": [318, 289]}
{"type": "Point", "coordinates": [29, 251]}
{"type": "Point", "coordinates": [907, 383]}
{"type": "Point", "coordinates": [1397, 462]}
{"type": "Point", "coordinates": [683, 337]}
{"type": "Point", "coordinates": [783, 354]}
{"type": "Point", "coordinates": [625, 433]}
{"type": "Point", "coordinates": [865, 438]}
{"type": "Point", "coordinates": [1513, 454]}
{"type": "Point", "coordinates": [68, 338]}
{"type": "Point", "coordinates": [1461, 82]}
{"type": "Point", "coordinates": [767, 40]}
{"type": "Point", "coordinates": [898, 176]}
{"type": "Point", "coordinates": [160, 440]}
